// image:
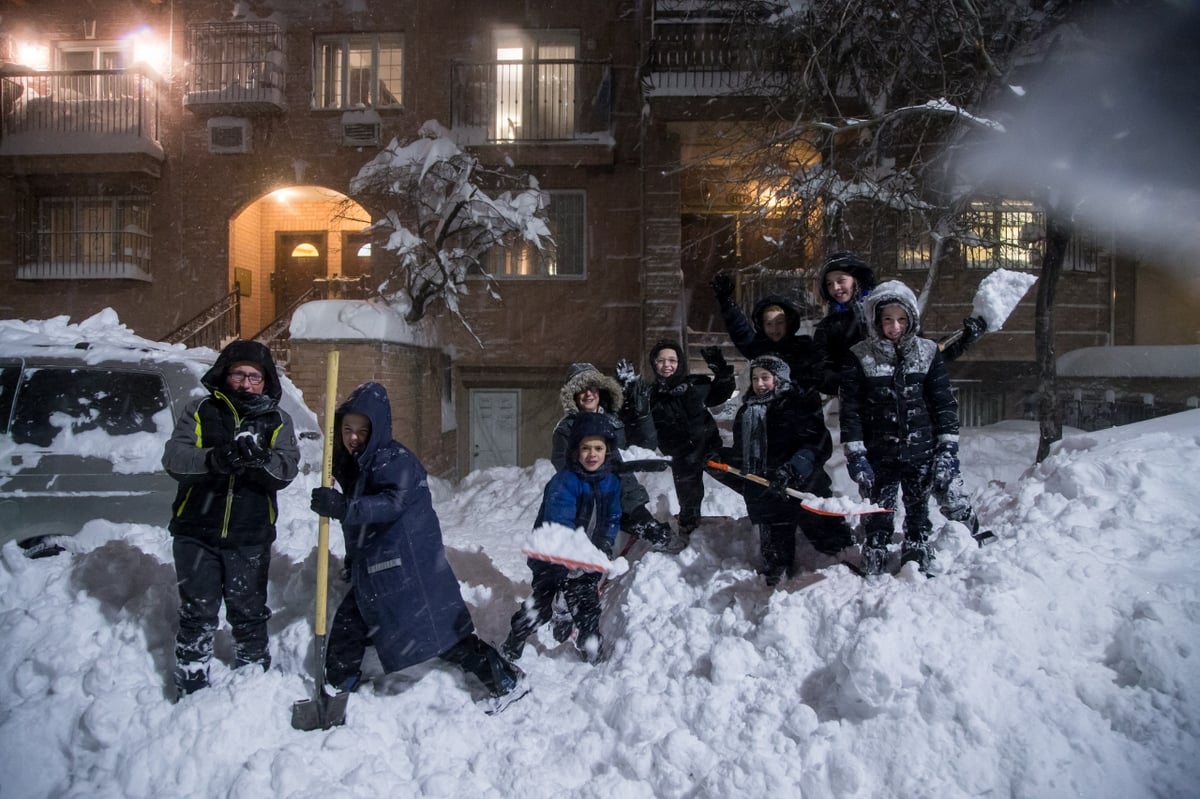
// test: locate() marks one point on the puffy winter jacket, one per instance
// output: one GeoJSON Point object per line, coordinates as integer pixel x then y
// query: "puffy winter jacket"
{"type": "Point", "coordinates": [896, 400]}
{"type": "Point", "coordinates": [747, 334]}
{"type": "Point", "coordinates": [237, 509]}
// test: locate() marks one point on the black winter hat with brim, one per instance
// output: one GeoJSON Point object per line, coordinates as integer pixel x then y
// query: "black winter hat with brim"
{"type": "Point", "coordinates": [852, 265]}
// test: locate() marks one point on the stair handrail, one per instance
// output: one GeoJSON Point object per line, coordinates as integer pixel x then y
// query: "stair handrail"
{"type": "Point", "coordinates": [203, 330]}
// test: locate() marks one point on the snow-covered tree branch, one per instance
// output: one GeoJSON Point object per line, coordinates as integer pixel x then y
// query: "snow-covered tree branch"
{"type": "Point", "coordinates": [439, 211]}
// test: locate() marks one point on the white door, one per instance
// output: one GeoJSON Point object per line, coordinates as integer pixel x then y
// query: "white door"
{"type": "Point", "coordinates": [494, 427]}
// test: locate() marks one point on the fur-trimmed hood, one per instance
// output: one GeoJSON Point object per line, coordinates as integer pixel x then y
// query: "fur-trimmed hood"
{"type": "Point", "coordinates": [581, 376]}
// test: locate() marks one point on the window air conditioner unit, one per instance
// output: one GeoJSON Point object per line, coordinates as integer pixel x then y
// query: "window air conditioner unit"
{"type": "Point", "coordinates": [361, 134]}
{"type": "Point", "coordinates": [229, 135]}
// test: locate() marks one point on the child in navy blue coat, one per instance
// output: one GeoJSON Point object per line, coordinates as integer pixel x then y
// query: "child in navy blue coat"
{"type": "Point", "coordinates": [404, 599]}
{"type": "Point", "coordinates": [586, 494]}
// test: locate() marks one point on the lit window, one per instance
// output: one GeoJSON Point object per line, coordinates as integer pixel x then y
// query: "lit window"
{"type": "Point", "coordinates": [359, 71]}
{"type": "Point", "coordinates": [1011, 234]}
{"type": "Point", "coordinates": [566, 218]}
{"type": "Point", "coordinates": [535, 85]}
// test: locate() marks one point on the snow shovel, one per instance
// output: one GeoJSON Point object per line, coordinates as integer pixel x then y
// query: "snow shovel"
{"type": "Point", "coordinates": [996, 298]}
{"type": "Point", "coordinates": [822, 506]}
{"type": "Point", "coordinates": [323, 710]}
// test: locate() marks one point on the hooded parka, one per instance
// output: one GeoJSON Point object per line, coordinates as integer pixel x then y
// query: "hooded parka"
{"type": "Point", "coordinates": [240, 508]}
{"type": "Point", "coordinates": [403, 586]}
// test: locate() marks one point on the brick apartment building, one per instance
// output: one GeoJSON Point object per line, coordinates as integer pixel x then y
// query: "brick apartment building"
{"type": "Point", "coordinates": [173, 160]}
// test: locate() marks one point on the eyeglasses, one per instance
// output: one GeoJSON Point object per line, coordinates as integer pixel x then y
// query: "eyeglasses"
{"type": "Point", "coordinates": [249, 378]}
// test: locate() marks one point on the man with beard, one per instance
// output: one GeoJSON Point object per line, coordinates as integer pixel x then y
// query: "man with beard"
{"type": "Point", "coordinates": [231, 451]}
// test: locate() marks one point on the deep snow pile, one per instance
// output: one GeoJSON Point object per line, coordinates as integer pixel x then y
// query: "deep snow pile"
{"type": "Point", "coordinates": [1058, 661]}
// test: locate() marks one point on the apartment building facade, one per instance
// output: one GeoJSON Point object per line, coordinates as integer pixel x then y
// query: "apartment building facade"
{"type": "Point", "coordinates": [178, 160]}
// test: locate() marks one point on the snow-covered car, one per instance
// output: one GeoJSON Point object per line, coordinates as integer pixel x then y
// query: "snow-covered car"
{"type": "Point", "coordinates": [85, 411]}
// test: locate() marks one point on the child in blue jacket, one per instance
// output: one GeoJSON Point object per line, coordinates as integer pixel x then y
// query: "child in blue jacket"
{"type": "Point", "coordinates": [584, 495]}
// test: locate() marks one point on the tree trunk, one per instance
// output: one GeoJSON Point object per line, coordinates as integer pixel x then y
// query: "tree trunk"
{"type": "Point", "coordinates": [1059, 229]}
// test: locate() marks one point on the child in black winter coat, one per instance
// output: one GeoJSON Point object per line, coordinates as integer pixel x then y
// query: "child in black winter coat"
{"type": "Point", "coordinates": [231, 451]}
{"type": "Point", "coordinates": [770, 329]}
{"type": "Point", "coordinates": [899, 423]}
{"type": "Point", "coordinates": [779, 433]}
{"type": "Point", "coordinates": [677, 404]}
{"type": "Point", "coordinates": [845, 282]}
{"type": "Point", "coordinates": [586, 494]}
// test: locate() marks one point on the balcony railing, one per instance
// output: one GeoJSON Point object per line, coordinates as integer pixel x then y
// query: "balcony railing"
{"type": "Point", "coordinates": [717, 57]}
{"type": "Point", "coordinates": [78, 112]}
{"type": "Point", "coordinates": [236, 67]}
{"type": "Point", "coordinates": [535, 100]}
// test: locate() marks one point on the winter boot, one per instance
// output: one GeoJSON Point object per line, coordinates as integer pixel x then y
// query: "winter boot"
{"type": "Point", "coordinates": [513, 646]}
{"type": "Point", "coordinates": [561, 623]}
{"type": "Point", "coordinates": [918, 552]}
{"type": "Point", "coordinates": [508, 685]}
{"type": "Point", "coordinates": [189, 679]}
{"type": "Point", "coordinates": [591, 648]}
{"type": "Point", "coordinates": [874, 559]}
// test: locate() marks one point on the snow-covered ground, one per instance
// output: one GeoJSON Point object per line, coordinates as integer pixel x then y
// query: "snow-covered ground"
{"type": "Point", "coordinates": [1060, 660]}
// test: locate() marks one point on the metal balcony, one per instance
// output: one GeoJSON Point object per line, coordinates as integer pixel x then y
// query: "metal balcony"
{"type": "Point", "coordinates": [534, 101]}
{"type": "Point", "coordinates": [237, 69]}
{"type": "Point", "coordinates": [81, 112]}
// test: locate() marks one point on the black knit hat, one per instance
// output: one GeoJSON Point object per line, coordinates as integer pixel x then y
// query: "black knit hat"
{"type": "Point", "coordinates": [775, 365]}
{"type": "Point", "coordinates": [588, 425]}
{"type": "Point", "coordinates": [666, 344]}
{"type": "Point", "coordinates": [852, 265]}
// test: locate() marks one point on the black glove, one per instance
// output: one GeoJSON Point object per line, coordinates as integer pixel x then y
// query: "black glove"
{"type": "Point", "coordinates": [973, 328]}
{"type": "Point", "coordinates": [782, 479]}
{"type": "Point", "coordinates": [861, 472]}
{"type": "Point", "coordinates": [626, 372]}
{"type": "Point", "coordinates": [723, 286]}
{"type": "Point", "coordinates": [329, 502]}
{"type": "Point", "coordinates": [250, 451]}
{"type": "Point", "coordinates": [224, 459]}
{"type": "Point", "coordinates": [713, 357]}
{"type": "Point", "coordinates": [945, 465]}
{"type": "Point", "coordinates": [346, 573]}
{"type": "Point", "coordinates": [652, 532]}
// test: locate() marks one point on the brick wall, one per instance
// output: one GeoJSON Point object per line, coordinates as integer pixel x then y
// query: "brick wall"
{"type": "Point", "coordinates": [412, 375]}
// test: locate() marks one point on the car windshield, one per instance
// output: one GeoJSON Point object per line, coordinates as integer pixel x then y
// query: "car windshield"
{"type": "Point", "coordinates": [53, 399]}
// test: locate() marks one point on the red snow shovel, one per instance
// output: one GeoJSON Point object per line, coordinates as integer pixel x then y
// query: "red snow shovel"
{"type": "Point", "coordinates": [324, 710]}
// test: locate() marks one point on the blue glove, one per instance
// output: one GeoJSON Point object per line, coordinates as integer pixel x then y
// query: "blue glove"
{"type": "Point", "coordinates": [945, 465]}
{"type": "Point", "coordinates": [861, 472]}
{"type": "Point", "coordinates": [329, 502]}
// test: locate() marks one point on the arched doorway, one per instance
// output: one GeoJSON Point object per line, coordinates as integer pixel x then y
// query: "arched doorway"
{"type": "Point", "coordinates": [294, 244]}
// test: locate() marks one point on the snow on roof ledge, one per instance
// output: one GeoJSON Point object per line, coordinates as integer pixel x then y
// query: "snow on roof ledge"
{"type": "Point", "coordinates": [1176, 360]}
{"type": "Point", "coordinates": [358, 320]}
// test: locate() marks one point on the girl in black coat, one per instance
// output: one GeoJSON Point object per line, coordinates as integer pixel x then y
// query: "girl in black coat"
{"type": "Point", "coordinates": [845, 281]}
{"type": "Point", "coordinates": [779, 432]}
{"type": "Point", "coordinates": [899, 423]}
{"type": "Point", "coordinates": [684, 429]}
